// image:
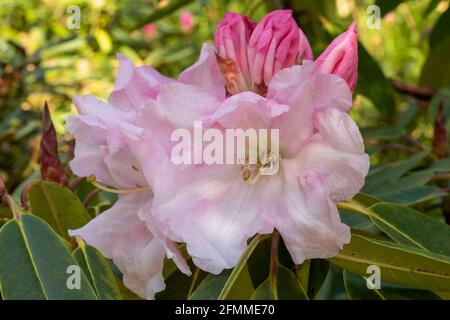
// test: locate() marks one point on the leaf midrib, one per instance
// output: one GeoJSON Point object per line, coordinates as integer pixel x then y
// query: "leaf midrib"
{"type": "Point", "coordinates": [52, 209]}
{"type": "Point", "coordinates": [390, 266]}
{"type": "Point", "coordinates": [30, 255]}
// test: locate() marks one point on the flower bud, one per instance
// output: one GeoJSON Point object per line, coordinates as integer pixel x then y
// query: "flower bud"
{"type": "Point", "coordinates": [230, 39]}
{"type": "Point", "coordinates": [273, 45]}
{"type": "Point", "coordinates": [341, 57]}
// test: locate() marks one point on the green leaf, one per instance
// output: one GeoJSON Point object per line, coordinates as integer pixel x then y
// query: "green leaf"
{"type": "Point", "coordinates": [380, 177]}
{"type": "Point", "coordinates": [259, 261]}
{"type": "Point", "coordinates": [58, 206]}
{"type": "Point", "coordinates": [356, 287]}
{"type": "Point", "coordinates": [400, 264]}
{"type": "Point", "coordinates": [220, 286]}
{"type": "Point", "coordinates": [414, 195]}
{"type": "Point", "coordinates": [162, 12]}
{"type": "Point", "coordinates": [440, 29]}
{"type": "Point", "coordinates": [441, 165]}
{"type": "Point", "coordinates": [387, 6]}
{"type": "Point", "coordinates": [98, 272]}
{"type": "Point", "coordinates": [103, 39]}
{"type": "Point", "coordinates": [382, 132]}
{"type": "Point", "coordinates": [211, 287]}
{"type": "Point", "coordinates": [287, 287]}
{"type": "Point", "coordinates": [312, 274]}
{"type": "Point", "coordinates": [373, 84]}
{"type": "Point", "coordinates": [410, 227]}
{"type": "Point", "coordinates": [240, 266]}
{"type": "Point", "coordinates": [34, 263]}
{"type": "Point", "coordinates": [408, 115]}
{"type": "Point", "coordinates": [436, 69]}
{"type": "Point", "coordinates": [357, 221]}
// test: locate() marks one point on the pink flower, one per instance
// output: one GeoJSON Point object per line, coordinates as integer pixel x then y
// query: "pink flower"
{"type": "Point", "coordinates": [186, 21]}
{"type": "Point", "coordinates": [215, 208]}
{"type": "Point", "coordinates": [126, 232]}
{"type": "Point", "coordinates": [150, 30]}
{"type": "Point", "coordinates": [341, 57]}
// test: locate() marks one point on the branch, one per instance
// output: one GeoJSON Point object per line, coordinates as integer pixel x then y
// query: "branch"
{"type": "Point", "coordinates": [420, 93]}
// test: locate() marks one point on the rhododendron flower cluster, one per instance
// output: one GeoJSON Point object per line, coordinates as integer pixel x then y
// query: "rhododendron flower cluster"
{"type": "Point", "coordinates": [261, 76]}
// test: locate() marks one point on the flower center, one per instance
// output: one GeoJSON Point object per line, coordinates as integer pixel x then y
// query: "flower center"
{"type": "Point", "coordinates": [267, 164]}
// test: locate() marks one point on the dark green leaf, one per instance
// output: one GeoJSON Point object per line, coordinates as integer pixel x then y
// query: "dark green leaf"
{"type": "Point", "coordinates": [373, 84]}
{"type": "Point", "coordinates": [379, 178]}
{"type": "Point", "coordinates": [211, 287]}
{"type": "Point", "coordinates": [436, 69]}
{"type": "Point", "coordinates": [400, 264]}
{"type": "Point", "coordinates": [312, 274]}
{"type": "Point", "coordinates": [98, 272]}
{"type": "Point", "coordinates": [387, 6]}
{"type": "Point", "coordinates": [57, 206]}
{"type": "Point", "coordinates": [287, 287]}
{"type": "Point", "coordinates": [411, 227]}
{"type": "Point", "coordinates": [356, 287]}
{"type": "Point", "coordinates": [34, 263]}
{"type": "Point", "coordinates": [440, 29]}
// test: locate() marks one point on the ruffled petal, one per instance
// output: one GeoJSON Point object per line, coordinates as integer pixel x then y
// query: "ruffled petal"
{"type": "Point", "coordinates": [119, 234]}
{"type": "Point", "coordinates": [182, 104]}
{"type": "Point", "coordinates": [135, 85]}
{"type": "Point", "coordinates": [310, 225]}
{"type": "Point", "coordinates": [305, 90]}
{"type": "Point", "coordinates": [248, 110]}
{"type": "Point", "coordinates": [195, 207]}
{"type": "Point", "coordinates": [89, 160]}
{"type": "Point", "coordinates": [339, 130]}
{"type": "Point", "coordinates": [344, 171]}
{"type": "Point", "coordinates": [205, 73]}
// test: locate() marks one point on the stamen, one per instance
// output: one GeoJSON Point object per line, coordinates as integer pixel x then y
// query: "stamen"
{"type": "Point", "coordinates": [92, 179]}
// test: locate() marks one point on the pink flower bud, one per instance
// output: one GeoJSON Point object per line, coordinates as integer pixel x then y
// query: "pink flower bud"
{"type": "Point", "coordinates": [273, 45]}
{"type": "Point", "coordinates": [230, 39]}
{"type": "Point", "coordinates": [341, 57]}
{"type": "Point", "coordinates": [186, 21]}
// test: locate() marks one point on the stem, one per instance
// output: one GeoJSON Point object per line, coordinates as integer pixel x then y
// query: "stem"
{"type": "Point", "coordinates": [414, 141]}
{"type": "Point", "coordinates": [398, 146]}
{"type": "Point", "coordinates": [90, 196]}
{"type": "Point", "coordinates": [10, 202]}
{"type": "Point", "coordinates": [76, 183]}
{"type": "Point", "coordinates": [420, 93]}
{"type": "Point", "coordinates": [441, 150]}
{"type": "Point", "coordinates": [274, 263]}
{"type": "Point", "coordinates": [441, 176]}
